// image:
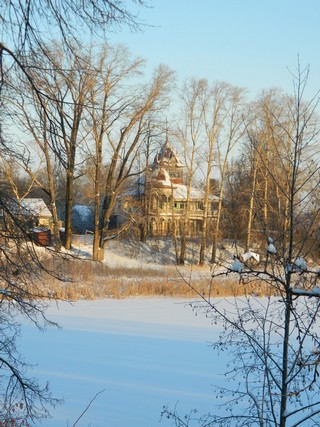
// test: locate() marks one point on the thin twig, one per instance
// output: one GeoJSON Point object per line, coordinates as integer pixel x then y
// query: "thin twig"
{"type": "Point", "coordinates": [88, 406]}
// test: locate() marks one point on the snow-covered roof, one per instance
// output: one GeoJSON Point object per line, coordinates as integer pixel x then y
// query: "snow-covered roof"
{"type": "Point", "coordinates": [34, 207]}
{"type": "Point", "coordinates": [250, 254]}
{"type": "Point", "coordinates": [162, 176]}
{"type": "Point", "coordinates": [180, 192]}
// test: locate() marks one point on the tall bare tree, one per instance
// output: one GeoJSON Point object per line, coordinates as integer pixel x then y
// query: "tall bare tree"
{"type": "Point", "coordinates": [190, 137]}
{"type": "Point", "coordinates": [65, 82]}
{"type": "Point", "coordinates": [130, 125]}
{"type": "Point", "coordinates": [215, 112]}
{"type": "Point", "coordinates": [27, 27]}
{"type": "Point", "coordinates": [234, 131]}
{"type": "Point", "coordinates": [274, 341]}
{"type": "Point", "coordinates": [33, 120]}
{"type": "Point", "coordinates": [107, 95]}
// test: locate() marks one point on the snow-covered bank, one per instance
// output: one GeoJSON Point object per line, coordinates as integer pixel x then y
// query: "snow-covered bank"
{"type": "Point", "coordinates": [144, 353]}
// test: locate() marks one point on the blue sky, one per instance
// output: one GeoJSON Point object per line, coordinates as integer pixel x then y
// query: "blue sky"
{"type": "Point", "coordinates": [248, 43]}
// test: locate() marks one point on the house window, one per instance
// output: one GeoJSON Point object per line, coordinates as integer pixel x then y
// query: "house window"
{"type": "Point", "coordinates": [178, 205]}
{"type": "Point", "coordinates": [163, 202]}
{"type": "Point", "coordinates": [154, 202]}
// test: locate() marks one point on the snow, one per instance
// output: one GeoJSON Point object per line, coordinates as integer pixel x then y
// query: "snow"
{"type": "Point", "coordinates": [237, 266]}
{"type": "Point", "coordinates": [250, 254]}
{"type": "Point", "coordinates": [302, 292]}
{"type": "Point", "coordinates": [300, 264]}
{"type": "Point", "coordinates": [144, 353]}
{"type": "Point", "coordinates": [140, 353]}
{"type": "Point", "coordinates": [166, 182]}
{"type": "Point", "coordinates": [180, 192]}
{"type": "Point", "coordinates": [271, 249]}
{"type": "Point", "coordinates": [33, 206]}
{"type": "Point", "coordinates": [154, 255]}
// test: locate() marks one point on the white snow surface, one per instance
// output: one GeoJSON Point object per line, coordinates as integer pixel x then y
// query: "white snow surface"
{"type": "Point", "coordinates": [156, 254]}
{"type": "Point", "coordinates": [144, 353]}
{"type": "Point", "coordinates": [300, 264]}
{"type": "Point", "coordinates": [237, 266]}
{"type": "Point", "coordinates": [271, 249]}
{"type": "Point", "coordinates": [250, 254]}
{"type": "Point", "coordinates": [33, 206]}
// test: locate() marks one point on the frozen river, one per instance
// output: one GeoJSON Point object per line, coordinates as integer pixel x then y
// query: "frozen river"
{"type": "Point", "coordinates": [143, 353]}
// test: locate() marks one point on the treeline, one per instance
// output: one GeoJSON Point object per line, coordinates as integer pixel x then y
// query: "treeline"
{"type": "Point", "coordinates": [84, 126]}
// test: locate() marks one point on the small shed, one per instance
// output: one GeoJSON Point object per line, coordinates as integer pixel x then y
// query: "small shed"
{"type": "Point", "coordinates": [36, 212]}
{"type": "Point", "coordinates": [41, 236]}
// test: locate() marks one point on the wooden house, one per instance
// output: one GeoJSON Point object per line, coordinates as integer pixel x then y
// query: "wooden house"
{"type": "Point", "coordinates": [162, 200]}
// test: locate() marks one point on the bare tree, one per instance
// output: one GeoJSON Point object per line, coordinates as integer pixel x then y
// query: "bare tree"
{"type": "Point", "coordinates": [11, 171]}
{"type": "Point", "coordinates": [130, 125]}
{"type": "Point", "coordinates": [215, 113]}
{"type": "Point", "coordinates": [26, 28]}
{"type": "Point", "coordinates": [256, 177]}
{"type": "Point", "coordinates": [190, 137]}
{"type": "Point", "coordinates": [107, 104]}
{"type": "Point", "coordinates": [21, 398]}
{"type": "Point", "coordinates": [29, 26]}
{"type": "Point", "coordinates": [33, 119]}
{"type": "Point", "coordinates": [234, 131]}
{"type": "Point", "coordinates": [64, 83]}
{"type": "Point", "coordinates": [274, 341]}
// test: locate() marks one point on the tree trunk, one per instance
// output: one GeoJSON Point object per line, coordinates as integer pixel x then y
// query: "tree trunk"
{"type": "Point", "coordinates": [217, 228]}
{"type": "Point", "coordinates": [285, 355]}
{"type": "Point", "coordinates": [96, 250]}
{"type": "Point", "coordinates": [250, 211]}
{"type": "Point", "coordinates": [204, 233]}
{"type": "Point", "coordinates": [183, 242]}
{"type": "Point", "coordinates": [68, 210]}
{"type": "Point", "coordinates": [52, 191]}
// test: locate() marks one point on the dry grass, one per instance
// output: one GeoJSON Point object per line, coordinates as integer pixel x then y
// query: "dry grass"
{"type": "Point", "coordinates": [84, 279]}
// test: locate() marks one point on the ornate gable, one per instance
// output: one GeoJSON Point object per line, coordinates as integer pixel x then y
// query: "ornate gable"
{"type": "Point", "coordinates": [169, 163]}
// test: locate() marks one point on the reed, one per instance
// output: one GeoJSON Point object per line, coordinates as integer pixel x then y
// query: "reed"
{"type": "Point", "coordinates": [84, 279]}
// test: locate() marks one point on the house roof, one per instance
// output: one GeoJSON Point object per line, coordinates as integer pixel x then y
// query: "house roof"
{"type": "Point", "coordinates": [167, 156]}
{"type": "Point", "coordinates": [34, 207]}
{"type": "Point", "coordinates": [180, 192]}
{"type": "Point", "coordinates": [161, 176]}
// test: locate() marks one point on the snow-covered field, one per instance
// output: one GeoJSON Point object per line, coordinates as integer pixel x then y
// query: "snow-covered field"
{"type": "Point", "coordinates": [143, 353]}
